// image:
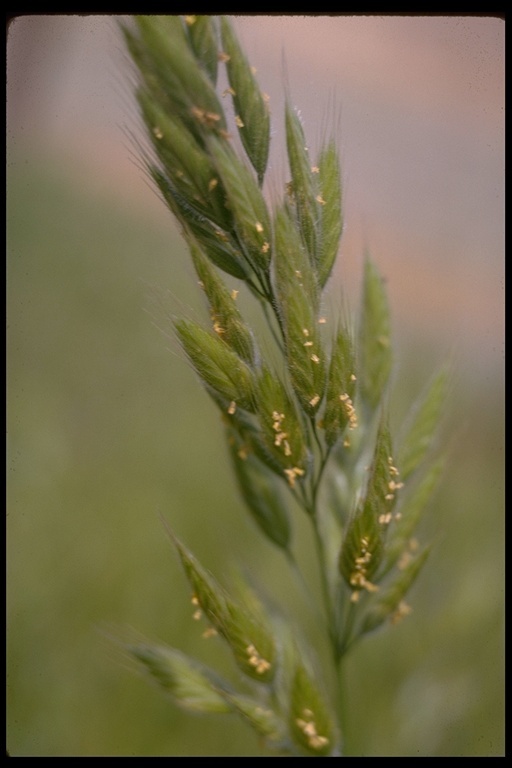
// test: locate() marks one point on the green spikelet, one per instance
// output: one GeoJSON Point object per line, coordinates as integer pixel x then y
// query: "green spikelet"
{"type": "Point", "coordinates": [246, 203]}
{"type": "Point", "coordinates": [330, 211]}
{"type": "Point", "coordinates": [203, 40]}
{"type": "Point", "coordinates": [219, 367]}
{"type": "Point", "coordinates": [389, 604]}
{"type": "Point", "coordinates": [310, 721]}
{"type": "Point", "coordinates": [423, 424]}
{"type": "Point", "coordinates": [281, 429]}
{"type": "Point", "coordinates": [298, 296]}
{"type": "Point", "coordinates": [261, 491]}
{"type": "Point", "coordinates": [173, 75]}
{"type": "Point", "coordinates": [374, 337]}
{"type": "Point", "coordinates": [226, 319]}
{"type": "Point", "coordinates": [190, 684]}
{"type": "Point", "coordinates": [187, 166]}
{"type": "Point", "coordinates": [340, 411]}
{"type": "Point", "coordinates": [248, 636]}
{"type": "Point", "coordinates": [304, 190]}
{"type": "Point", "coordinates": [251, 107]}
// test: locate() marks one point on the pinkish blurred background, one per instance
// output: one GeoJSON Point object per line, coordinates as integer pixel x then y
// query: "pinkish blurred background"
{"type": "Point", "coordinates": [421, 100]}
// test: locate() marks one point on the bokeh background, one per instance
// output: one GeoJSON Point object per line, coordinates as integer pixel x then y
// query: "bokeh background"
{"type": "Point", "coordinates": [108, 428]}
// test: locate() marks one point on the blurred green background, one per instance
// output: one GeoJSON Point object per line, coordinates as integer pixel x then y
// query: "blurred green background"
{"type": "Point", "coordinates": [108, 428]}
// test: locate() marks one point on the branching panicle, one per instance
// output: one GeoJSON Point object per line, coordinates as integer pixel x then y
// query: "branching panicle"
{"type": "Point", "coordinates": [291, 432]}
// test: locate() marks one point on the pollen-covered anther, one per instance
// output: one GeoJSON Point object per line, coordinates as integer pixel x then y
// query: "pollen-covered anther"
{"type": "Point", "coordinates": [308, 728]}
{"type": "Point", "coordinates": [358, 577]}
{"type": "Point", "coordinates": [198, 113]}
{"type": "Point", "coordinates": [315, 358]}
{"type": "Point", "coordinates": [404, 560]}
{"type": "Point", "coordinates": [394, 486]}
{"type": "Point", "coordinates": [190, 20]}
{"type": "Point", "coordinates": [308, 343]}
{"type": "Point", "coordinates": [260, 664]}
{"type": "Point", "coordinates": [292, 475]}
{"type": "Point", "coordinates": [298, 273]}
{"type": "Point", "coordinates": [198, 612]}
{"type": "Point", "coordinates": [232, 408]}
{"type": "Point", "coordinates": [277, 417]}
{"type": "Point", "coordinates": [320, 200]}
{"type": "Point", "coordinates": [279, 438]}
{"type": "Point", "coordinates": [212, 184]}
{"type": "Point", "coordinates": [401, 612]}
{"type": "Point", "coordinates": [234, 293]}
{"type": "Point", "coordinates": [322, 320]}
{"type": "Point", "coordinates": [386, 518]}
{"type": "Point", "coordinates": [349, 410]}
{"type": "Point", "coordinates": [315, 169]}
{"type": "Point", "coordinates": [238, 120]}
{"type": "Point", "coordinates": [265, 247]}
{"type": "Point", "coordinates": [209, 632]}
{"type": "Point", "coordinates": [217, 327]}
{"type": "Point", "coordinates": [392, 469]}
{"type": "Point", "coordinates": [211, 118]}
{"type": "Point", "coordinates": [157, 132]}
{"type": "Point", "coordinates": [314, 400]}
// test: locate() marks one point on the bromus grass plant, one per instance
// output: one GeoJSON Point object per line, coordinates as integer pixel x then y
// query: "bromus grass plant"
{"type": "Point", "coordinates": [307, 422]}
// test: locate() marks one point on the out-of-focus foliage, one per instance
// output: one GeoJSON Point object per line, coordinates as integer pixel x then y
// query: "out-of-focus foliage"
{"type": "Point", "coordinates": [104, 434]}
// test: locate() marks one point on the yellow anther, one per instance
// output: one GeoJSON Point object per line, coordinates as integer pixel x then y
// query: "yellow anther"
{"type": "Point", "coordinates": [292, 475]}
{"type": "Point", "coordinates": [232, 408]}
{"type": "Point", "coordinates": [260, 664]}
{"type": "Point", "coordinates": [403, 610]}
{"type": "Point", "coordinates": [308, 727]}
{"type": "Point", "coordinates": [238, 120]}
{"type": "Point", "coordinates": [157, 132]}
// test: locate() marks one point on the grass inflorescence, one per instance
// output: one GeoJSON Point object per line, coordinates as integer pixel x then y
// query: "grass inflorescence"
{"type": "Point", "coordinates": [289, 430]}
